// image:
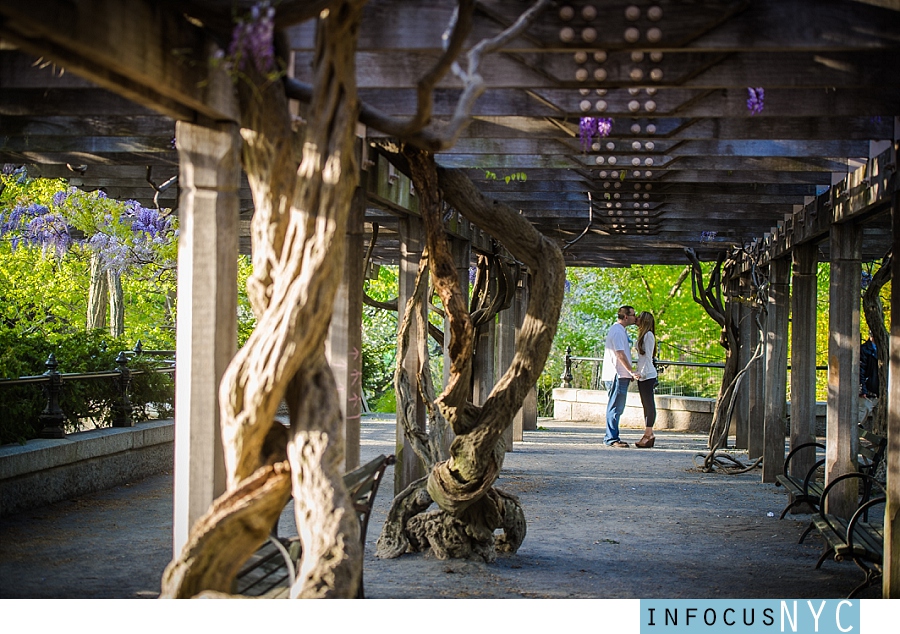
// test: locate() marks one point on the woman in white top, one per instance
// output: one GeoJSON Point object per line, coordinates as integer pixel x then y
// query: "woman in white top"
{"type": "Point", "coordinates": [646, 345]}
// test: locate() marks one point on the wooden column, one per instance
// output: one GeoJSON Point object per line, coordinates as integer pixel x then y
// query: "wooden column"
{"type": "Point", "coordinates": [842, 441]}
{"type": "Point", "coordinates": [776, 369]}
{"type": "Point", "coordinates": [733, 318]}
{"type": "Point", "coordinates": [412, 242]}
{"type": "Point", "coordinates": [206, 329]}
{"type": "Point", "coordinates": [746, 324]}
{"type": "Point", "coordinates": [756, 385]}
{"type": "Point", "coordinates": [506, 349]}
{"type": "Point", "coordinates": [803, 357]}
{"type": "Point", "coordinates": [891, 581]}
{"type": "Point", "coordinates": [462, 256]}
{"type": "Point", "coordinates": [529, 406]}
{"type": "Point", "coordinates": [484, 366]}
{"type": "Point", "coordinates": [343, 347]}
{"type": "Point", "coordinates": [519, 304]}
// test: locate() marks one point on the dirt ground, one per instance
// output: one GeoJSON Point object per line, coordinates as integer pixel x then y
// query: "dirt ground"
{"type": "Point", "coordinates": [602, 523]}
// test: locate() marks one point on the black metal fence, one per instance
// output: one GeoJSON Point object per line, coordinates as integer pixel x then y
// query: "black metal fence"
{"type": "Point", "coordinates": [685, 373]}
{"type": "Point", "coordinates": [681, 376]}
{"type": "Point", "coordinates": [52, 418]}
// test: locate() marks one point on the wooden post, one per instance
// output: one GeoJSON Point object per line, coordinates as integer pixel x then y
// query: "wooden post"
{"type": "Point", "coordinates": [746, 324]}
{"type": "Point", "coordinates": [842, 439]}
{"type": "Point", "coordinates": [756, 408]}
{"type": "Point", "coordinates": [803, 357]}
{"type": "Point", "coordinates": [519, 304]}
{"type": "Point", "coordinates": [206, 329]}
{"type": "Point", "coordinates": [506, 349]}
{"type": "Point", "coordinates": [484, 366]}
{"type": "Point", "coordinates": [343, 347]}
{"type": "Point", "coordinates": [529, 407]}
{"type": "Point", "coordinates": [462, 256]}
{"type": "Point", "coordinates": [891, 580]}
{"type": "Point", "coordinates": [412, 242]}
{"type": "Point", "coordinates": [776, 369]}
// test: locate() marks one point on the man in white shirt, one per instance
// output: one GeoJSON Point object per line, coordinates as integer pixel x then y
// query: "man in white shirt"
{"type": "Point", "coordinates": [617, 373]}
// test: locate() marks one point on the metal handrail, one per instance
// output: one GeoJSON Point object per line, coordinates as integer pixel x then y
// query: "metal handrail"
{"type": "Point", "coordinates": [568, 377]}
{"type": "Point", "coordinates": [52, 418]}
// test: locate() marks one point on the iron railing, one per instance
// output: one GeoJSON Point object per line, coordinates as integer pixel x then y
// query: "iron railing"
{"type": "Point", "coordinates": [52, 418]}
{"type": "Point", "coordinates": [676, 378]}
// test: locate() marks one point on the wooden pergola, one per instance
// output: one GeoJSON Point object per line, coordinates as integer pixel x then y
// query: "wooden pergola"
{"type": "Point", "coordinates": [769, 126]}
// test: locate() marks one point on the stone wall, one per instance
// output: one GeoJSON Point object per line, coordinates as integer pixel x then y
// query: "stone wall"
{"type": "Point", "coordinates": [677, 413]}
{"type": "Point", "coordinates": [44, 471]}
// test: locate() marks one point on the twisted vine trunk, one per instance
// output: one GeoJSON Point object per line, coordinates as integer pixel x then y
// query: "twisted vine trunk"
{"type": "Point", "coordinates": [709, 296]}
{"type": "Point", "coordinates": [874, 315]}
{"type": "Point", "coordinates": [298, 233]}
{"type": "Point", "coordinates": [98, 294]}
{"type": "Point", "coordinates": [469, 508]}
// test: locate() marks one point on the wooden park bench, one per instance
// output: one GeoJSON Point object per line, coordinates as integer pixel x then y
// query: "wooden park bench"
{"type": "Point", "coordinates": [272, 569]}
{"type": "Point", "coordinates": [809, 488]}
{"type": "Point", "coordinates": [859, 539]}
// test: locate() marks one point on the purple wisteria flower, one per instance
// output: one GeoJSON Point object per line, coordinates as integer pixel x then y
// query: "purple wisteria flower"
{"type": "Point", "coordinates": [148, 221]}
{"type": "Point", "coordinates": [591, 127]}
{"type": "Point", "coordinates": [755, 100]}
{"type": "Point", "coordinates": [252, 39]}
{"type": "Point", "coordinates": [114, 252]}
{"type": "Point", "coordinates": [51, 231]}
{"type": "Point", "coordinates": [59, 198]}
{"type": "Point", "coordinates": [36, 225]}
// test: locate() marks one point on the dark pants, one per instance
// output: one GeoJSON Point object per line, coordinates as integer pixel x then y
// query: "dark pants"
{"type": "Point", "coordinates": [646, 390]}
{"type": "Point", "coordinates": [615, 406]}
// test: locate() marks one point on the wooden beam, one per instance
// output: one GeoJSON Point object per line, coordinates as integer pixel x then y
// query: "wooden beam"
{"type": "Point", "coordinates": [126, 48]}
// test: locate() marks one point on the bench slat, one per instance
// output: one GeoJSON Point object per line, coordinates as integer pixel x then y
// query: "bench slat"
{"type": "Point", "coordinates": [266, 573]}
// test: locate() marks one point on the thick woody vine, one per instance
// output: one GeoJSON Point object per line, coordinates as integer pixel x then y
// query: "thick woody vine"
{"type": "Point", "coordinates": [469, 509]}
{"type": "Point", "coordinates": [302, 177]}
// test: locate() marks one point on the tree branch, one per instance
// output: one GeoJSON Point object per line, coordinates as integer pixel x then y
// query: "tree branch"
{"type": "Point", "coordinates": [431, 139]}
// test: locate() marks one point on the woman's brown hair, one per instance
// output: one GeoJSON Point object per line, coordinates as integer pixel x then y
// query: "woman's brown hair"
{"type": "Point", "coordinates": [646, 323]}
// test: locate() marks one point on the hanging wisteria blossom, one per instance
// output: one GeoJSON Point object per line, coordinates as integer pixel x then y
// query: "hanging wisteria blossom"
{"type": "Point", "coordinates": [591, 127]}
{"type": "Point", "coordinates": [755, 100]}
{"type": "Point", "coordinates": [252, 40]}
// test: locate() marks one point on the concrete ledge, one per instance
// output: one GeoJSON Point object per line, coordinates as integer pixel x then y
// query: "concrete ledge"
{"type": "Point", "coordinates": [44, 471]}
{"type": "Point", "coordinates": [677, 413]}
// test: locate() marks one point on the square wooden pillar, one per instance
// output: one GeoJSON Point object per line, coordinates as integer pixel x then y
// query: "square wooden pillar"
{"type": "Point", "coordinates": [462, 257]}
{"type": "Point", "coordinates": [776, 369]}
{"type": "Point", "coordinates": [484, 366]}
{"type": "Point", "coordinates": [206, 329]}
{"type": "Point", "coordinates": [506, 350]}
{"type": "Point", "coordinates": [520, 303]}
{"type": "Point", "coordinates": [842, 439]}
{"type": "Point", "coordinates": [412, 242]}
{"type": "Point", "coordinates": [756, 385]}
{"type": "Point", "coordinates": [803, 356]}
{"type": "Point", "coordinates": [891, 579]}
{"type": "Point", "coordinates": [745, 324]}
{"type": "Point", "coordinates": [343, 347]}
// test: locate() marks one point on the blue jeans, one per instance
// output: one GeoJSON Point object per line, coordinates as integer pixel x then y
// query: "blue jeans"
{"type": "Point", "coordinates": [615, 406]}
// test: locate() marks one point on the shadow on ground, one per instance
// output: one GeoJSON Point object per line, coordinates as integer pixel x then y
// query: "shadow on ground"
{"type": "Point", "coordinates": [602, 523]}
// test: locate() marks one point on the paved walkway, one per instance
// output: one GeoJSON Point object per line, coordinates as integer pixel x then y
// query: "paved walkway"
{"type": "Point", "coordinates": [602, 523]}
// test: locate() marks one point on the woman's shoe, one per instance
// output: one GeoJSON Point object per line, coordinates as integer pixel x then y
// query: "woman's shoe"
{"type": "Point", "coordinates": [645, 443]}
